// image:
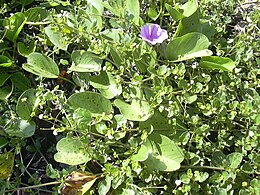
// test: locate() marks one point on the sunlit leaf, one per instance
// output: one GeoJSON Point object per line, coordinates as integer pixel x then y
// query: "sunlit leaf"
{"type": "Point", "coordinates": [93, 102]}
{"type": "Point", "coordinates": [188, 46]}
{"type": "Point", "coordinates": [83, 61]}
{"type": "Point", "coordinates": [234, 159]}
{"type": "Point", "coordinates": [106, 84]}
{"type": "Point", "coordinates": [71, 151]}
{"type": "Point", "coordinates": [41, 65]}
{"type": "Point", "coordinates": [138, 110]}
{"type": "Point", "coordinates": [178, 12]}
{"type": "Point", "coordinates": [164, 154]}
{"type": "Point", "coordinates": [104, 185]}
{"type": "Point", "coordinates": [14, 24]}
{"type": "Point", "coordinates": [5, 61]}
{"type": "Point", "coordinates": [56, 37]}
{"type": "Point", "coordinates": [218, 63]}
{"type": "Point", "coordinates": [132, 7]}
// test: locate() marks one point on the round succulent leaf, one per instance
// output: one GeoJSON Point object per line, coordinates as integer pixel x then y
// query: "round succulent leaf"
{"type": "Point", "coordinates": [164, 154]}
{"type": "Point", "coordinates": [93, 102]}
{"type": "Point", "coordinates": [138, 110]}
{"type": "Point", "coordinates": [71, 151]}
{"type": "Point", "coordinates": [234, 159]}
{"type": "Point", "coordinates": [141, 155]}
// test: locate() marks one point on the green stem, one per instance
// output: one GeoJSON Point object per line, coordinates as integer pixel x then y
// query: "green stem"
{"type": "Point", "coordinates": [35, 186]}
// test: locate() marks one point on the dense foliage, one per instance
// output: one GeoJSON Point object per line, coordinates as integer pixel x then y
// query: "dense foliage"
{"type": "Point", "coordinates": [129, 97]}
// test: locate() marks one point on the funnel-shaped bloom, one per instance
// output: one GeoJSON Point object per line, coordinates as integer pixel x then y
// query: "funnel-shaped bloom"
{"type": "Point", "coordinates": [153, 34]}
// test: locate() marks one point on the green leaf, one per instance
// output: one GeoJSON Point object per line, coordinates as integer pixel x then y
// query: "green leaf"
{"type": "Point", "coordinates": [20, 81]}
{"type": "Point", "coordinates": [216, 62]}
{"type": "Point", "coordinates": [21, 128]}
{"type": "Point", "coordinates": [4, 46]}
{"type": "Point", "coordinates": [133, 8]}
{"type": "Point", "coordinates": [256, 118]}
{"type": "Point", "coordinates": [189, 8]}
{"type": "Point", "coordinates": [3, 142]}
{"type": "Point", "coordinates": [161, 124]}
{"type": "Point", "coordinates": [186, 10]}
{"type": "Point", "coordinates": [189, 99]}
{"type": "Point", "coordinates": [6, 165]}
{"type": "Point", "coordinates": [112, 35]}
{"type": "Point", "coordinates": [152, 13]}
{"type": "Point", "coordinates": [56, 38]}
{"type": "Point", "coordinates": [142, 154]}
{"type": "Point", "coordinates": [26, 50]}
{"type": "Point", "coordinates": [234, 159]}
{"type": "Point", "coordinates": [174, 13]}
{"type": "Point", "coordinates": [164, 154]}
{"type": "Point", "coordinates": [189, 46]}
{"type": "Point", "coordinates": [106, 84]}
{"type": "Point", "coordinates": [26, 103]}
{"type": "Point", "coordinates": [41, 65]}
{"type": "Point", "coordinates": [26, 2]}
{"type": "Point", "coordinates": [194, 23]}
{"type": "Point", "coordinates": [5, 61]}
{"type": "Point", "coordinates": [221, 191]}
{"type": "Point", "coordinates": [104, 185]}
{"type": "Point", "coordinates": [98, 4]}
{"type": "Point", "coordinates": [219, 159]}
{"type": "Point", "coordinates": [36, 14]}
{"type": "Point", "coordinates": [4, 77]}
{"type": "Point", "coordinates": [138, 110]}
{"type": "Point", "coordinates": [14, 25]}
{"type": "Point", "coordinates": [94, 102]}
{"type": "Point", "coordinates": [83, 61]}
{"type": "Point", "coordinates": [82, 117]}
{"type": "Point", "coordinates": [247, 168]}
{"type": "Point", "coordinates": [71, 151]}
{"type": "Point", "coordinates": [6, 91]}
{"type": "Point", "coordinates": [255, 183]}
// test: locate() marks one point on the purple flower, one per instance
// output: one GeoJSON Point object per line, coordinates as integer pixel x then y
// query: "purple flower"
{"type": "Point", "coordinates": [153, 34]}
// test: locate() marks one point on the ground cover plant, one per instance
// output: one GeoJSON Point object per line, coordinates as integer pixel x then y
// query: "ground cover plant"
{"type": "Point", "coordinates": [129, 97]}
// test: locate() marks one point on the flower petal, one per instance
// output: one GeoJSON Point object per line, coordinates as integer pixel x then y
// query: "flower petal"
{"type": "Point", "coordinates": [153, 34]}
